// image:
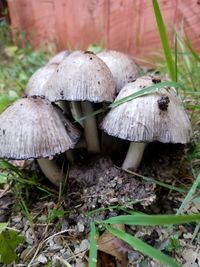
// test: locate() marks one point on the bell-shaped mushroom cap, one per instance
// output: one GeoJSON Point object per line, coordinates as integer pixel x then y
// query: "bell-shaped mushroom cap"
{"type": "Point", "coordinates": [37, 83]}
{"type": "Point", "coordinates": [158, 116]}
{"type": "Point", "coordinates": [122, 66]}
{"type": "Point", "coordinates": [58, 58]}
{"type": "Point", "coordinates": [34, 128]}
{"type": "Point", "coordinates": [82, 76]}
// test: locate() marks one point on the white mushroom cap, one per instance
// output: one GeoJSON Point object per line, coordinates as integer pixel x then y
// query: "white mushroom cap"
{"type": "Point", "coordinates": [37, 83]}
{"type": "Point", "coordinates": [122, 66]}
{"type": "Point", "coordinates": [58, 58]}
{"type": "Point", "coordinates": [158, 116]}
{"type": "Point", "coordinates": [82, 76]}
{"type": "Point", "coordinates": [34, 128]}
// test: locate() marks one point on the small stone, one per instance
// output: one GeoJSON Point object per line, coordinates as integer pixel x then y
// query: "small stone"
{"type": "Point", "coordinates": [80, 227]}
{"type": "Point", "coordinates": [17, 219]}
{"type": "Point", "coordinates": [113, 200]}
{"type": "Point", "coordinates": [54, 248]}
{"type": "Point", "coordinates": [42, 218]}
{"type": "Point", "coordinates": [24, 253]}
{"type": "Point", "coordinates": [84, 245]}
{"type": "Point", "coordinates": [42, 259]}
{"type": "Point", "coordinates": [188, 236]}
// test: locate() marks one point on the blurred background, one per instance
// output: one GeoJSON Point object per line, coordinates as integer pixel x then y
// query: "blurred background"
{"type": "Point", "coordinates": [124, 25]}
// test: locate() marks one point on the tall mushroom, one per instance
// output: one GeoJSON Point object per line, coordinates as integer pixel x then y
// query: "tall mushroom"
{"type": "Point", "coordinates": [122, 66]}
{"type": "Point", "coordinates": [158, 116]}
{"type": "Point", "coordinates": [33, 128]}
{"type": "Point", "coordinates": [83, 77]}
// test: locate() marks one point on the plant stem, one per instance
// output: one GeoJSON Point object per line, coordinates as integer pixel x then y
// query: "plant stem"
{"type": "Point", "coordinates": [134, 156]}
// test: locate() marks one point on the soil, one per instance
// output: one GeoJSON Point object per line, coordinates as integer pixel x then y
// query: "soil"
{"type": "Point", "coordinates": [95, 183]}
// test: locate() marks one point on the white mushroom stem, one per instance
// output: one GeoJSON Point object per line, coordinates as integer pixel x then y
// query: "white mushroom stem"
{"type": "Point", "coordinates": [51, 170]}
{"type": "Point", "coordinates": [90, 128]}
{"type": "Point", "coordinates": [76, 111]}
{"type": "Point", "coordinates": [134, 156]}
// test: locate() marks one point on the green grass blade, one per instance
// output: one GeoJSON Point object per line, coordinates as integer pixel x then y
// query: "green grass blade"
{"type": "Point", "coordinates": [142, 92]}
{"type": "Point", "coordinates": [164, 40]}
{"type": "Point", "coordinates": [149, 179]}
{"type": "Point", "coordinates": [143, 247]}
{"type": "Point", "coordinates": [147, 220]}
{"type": "Point", "coordinates": [93, 246]}
{"type": "Point", "coordinates": [193, 52]}
{"type": "Point", "coordinates": [189, 194]}
{"type": "Point", "coordinates": [185, 56]}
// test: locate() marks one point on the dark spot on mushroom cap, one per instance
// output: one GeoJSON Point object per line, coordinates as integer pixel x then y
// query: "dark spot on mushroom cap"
{"type": "Point", "coordinates": [99, 82]}
{"type": "Point", "coordinates": [61, 93]}
{"type": "Point", "coordinates": [21, 104]}
{"type": "Point", "coordinates": [163, 102]}
{"type": "Point", "coordinates": [4, 131]}
{"type": "Point", "coordinates": [156, 80]}
{"type": "Point", "coordinates": [90, 58]}
{"type": "Point", "coordinates": [89, 52]}
{"type": "Point", "coordinates": [57, 70]}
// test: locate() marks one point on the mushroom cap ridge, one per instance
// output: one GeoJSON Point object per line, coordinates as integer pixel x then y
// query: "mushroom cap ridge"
{"type": "Point", "coordinates": [33, 128]}
{"type": "Point", "coordinates": [142, 120]}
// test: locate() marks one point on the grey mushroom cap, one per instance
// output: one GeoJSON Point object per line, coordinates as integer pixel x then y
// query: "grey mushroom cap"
{"type": "Point", "coordinates": [34, 128]}
{"type": "Point", "coordinates": [82, 76]}
{"type": "Point", "coordinates": [58, 58]}
{"type": "Point", "coordinates": [122, 66]}
{"type": "Point", "coordinates": [37, 83]}
{"type": "Point", "coordinates": [158, 116]}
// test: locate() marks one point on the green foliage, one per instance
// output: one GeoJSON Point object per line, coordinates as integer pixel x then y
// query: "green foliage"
{"type": "Point", "coordinates": [9, 240]}
{"type": "Point", "coordinates": [174, 245]}
{"type": "Point", "coordinates": [93, 245]}
{"type": "Point", "coordinates": [165, 41]}
{"type": "Point", "coordinates": [189, 194]}
{"type": "Point", "coordinates": [16, 66]}
{"type": "Point", "coordinates": [152, 220]}
{"type": "Point", "coordinates": [55, 214]}
{"type": "Point", "coordinates": [95, 48]}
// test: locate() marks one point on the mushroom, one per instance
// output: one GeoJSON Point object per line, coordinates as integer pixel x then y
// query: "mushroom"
{"type": "Point", "coordinates": [84, 77]}
{"type": "Point", "coordinates": [122, 66]}
{"type": "Point", "coordinates": [158, 116]}
{"type": "Point", "coordinates": [37, 85]}
{"type": "Point", "coordinates": [33, 128]}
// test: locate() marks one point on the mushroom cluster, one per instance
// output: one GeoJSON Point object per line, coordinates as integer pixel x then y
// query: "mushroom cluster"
{"type": "Point", "coordinates": [71, 86]}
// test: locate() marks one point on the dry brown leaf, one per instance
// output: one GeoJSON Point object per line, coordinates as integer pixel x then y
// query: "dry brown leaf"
{"type": "Point", "coordinates": [111, 245]}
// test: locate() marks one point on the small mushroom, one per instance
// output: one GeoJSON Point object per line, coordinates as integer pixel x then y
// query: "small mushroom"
{"type": "Point", "coordinates": [84, 77]}
{"type": "Point", "coordinates": [158, 116]}
{"type": "Point", "coordinates": [37, 83]}
{"type": "Point", "coordinates": [122, 66]}
{"type": "Point", "coordinates": [33, 128]}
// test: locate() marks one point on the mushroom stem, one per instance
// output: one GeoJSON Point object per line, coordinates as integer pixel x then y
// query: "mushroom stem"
{"type": "Point", "coordinates": [51, 170]}
{"type": "Point", "coordinates": [90, 128]}
{"type": "Point", "coordinates": [134, 156]}
{"type": "Point", "coordinates": [64, 105]}
{"type": "Point", "coordinates": [76, 111]}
